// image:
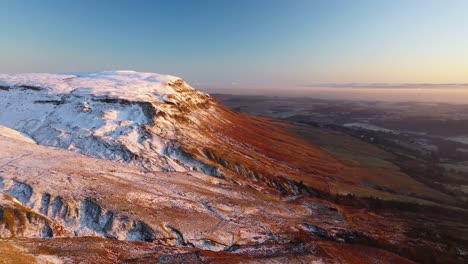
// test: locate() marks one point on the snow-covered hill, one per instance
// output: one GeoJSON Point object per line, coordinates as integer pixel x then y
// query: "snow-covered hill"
{"type": "Point", "coordinates": [102, 114]}
{"type": "Point", "coordinates": [276, 195]}
{"type": "Point", "coordinates": [160, 123]}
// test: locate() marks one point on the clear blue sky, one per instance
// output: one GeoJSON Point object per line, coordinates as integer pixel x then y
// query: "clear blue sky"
{"type": "Point", "coordinates": [268, 43]}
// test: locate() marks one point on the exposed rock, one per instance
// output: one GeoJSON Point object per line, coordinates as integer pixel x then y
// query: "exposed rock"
{"type": "Point", "coordinates": [141, 231]}
{"type": "Point", "coordinates": [316, 230]}
{"type": "Point", "coordinates": [21, 191]}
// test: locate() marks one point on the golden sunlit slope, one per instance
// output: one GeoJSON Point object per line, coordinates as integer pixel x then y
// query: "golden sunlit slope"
{"type": "Point", "coordinates": [279, 155]}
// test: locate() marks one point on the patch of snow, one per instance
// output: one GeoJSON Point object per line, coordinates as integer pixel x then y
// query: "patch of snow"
{"type": "Point", "coordinates": [370, 127]}
{"type": "Point", "coordinates": [426, 145]}
{"type": "Point", "coordinates": [460, 139]}
{"type": "Point", "coordinates": [128, 85]}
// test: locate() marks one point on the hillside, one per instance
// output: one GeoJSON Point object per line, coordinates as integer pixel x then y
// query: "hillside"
{"type": "Point", "coordinates": [115, 157]}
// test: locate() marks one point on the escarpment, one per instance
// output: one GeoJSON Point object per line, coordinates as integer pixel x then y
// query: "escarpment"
{"type": "Point", "coordinates": [159, 123]}
{"type": "Point", "coordinates": [145, 164]}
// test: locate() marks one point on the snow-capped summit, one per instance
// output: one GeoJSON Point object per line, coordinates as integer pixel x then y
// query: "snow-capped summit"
{"type": "Point", "coordinates": [127, 85]}
{"type": "Point", "coordinates": [103, 114]}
